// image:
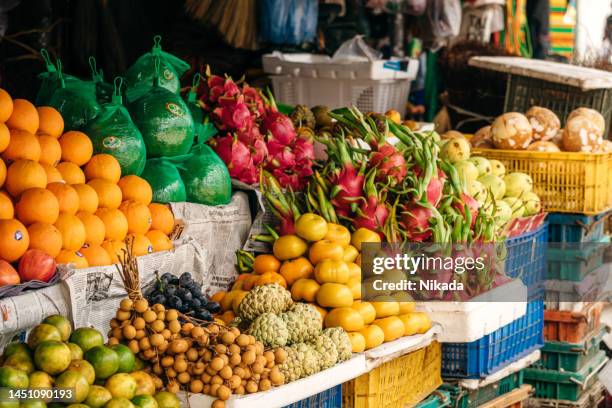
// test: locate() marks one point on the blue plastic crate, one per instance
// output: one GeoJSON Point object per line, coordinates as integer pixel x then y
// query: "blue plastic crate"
{"type": "Point", "coordinates": [331, 398]}
{"type": "Point", "coordinates": [526, 258]}
{"type": "Point", "coordinates": [576, 227]}
{"type": "Point", "coordinates": [498, 349]}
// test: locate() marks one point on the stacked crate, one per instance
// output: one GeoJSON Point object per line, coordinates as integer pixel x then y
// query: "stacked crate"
{"type": "Point", "coordinates": [571, 356]}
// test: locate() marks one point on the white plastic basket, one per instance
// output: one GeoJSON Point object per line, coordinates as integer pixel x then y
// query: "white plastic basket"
{"type": "Point", "coordinates": [371, 86]}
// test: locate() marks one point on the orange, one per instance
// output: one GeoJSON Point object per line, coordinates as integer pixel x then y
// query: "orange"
{"type": "Point", "coordinates": [88, 198]}
{"type": "Point", "coordinates": [2, 172]}
{"type": "Point", "coordinates": [6, 105]}
{"type": "Point", "coordinates": [50, 150]}
{"type": "Point", "coordinates": [161, 217]}
{"type": "Point", "coordinates": [23, 145]}
{"type": "Point", "coordinates": [24, 116]}
{"type": "Point", "coordinates": [71, 173]}
{"type": "Point", "coordinates": [6, 207]}
{"type": "Point", "coordinates": [45, 237]}
{"type": "Point", "coordinates": [103, 166]}
{"type": "Point", "coordinates": [73, 231]}
{"type": "Point", "coordinates": [139, 244]}
{"type": "Point", "coordinates": [24, 174]}
{"type": "Point", "coordinates": [37, 205]}
{"type": "Point", "coordinates": [67, 256]}
{"type": "Point", "coordinates": [115, 223]}
{"type": "Point", "coordinates": [266, 263]}
{"type": "Point", "coordinates": [136, 189]}
{"type": "Point", "coordinates": [53, 174]}
{"type": "Point", "coordinates": [115, 249]}
{"type": "Point", "coordinates": [76, 147]}
{"type": "Point", "coordinates": [96, 255]}
{"type": "Point", "coordinates": [138, 217]}
{"type": "Point", "coordinates": [109, 194]}
{"type": "Point", "coordinates": [94, 228]}
{"type": "Point", "coordinates": [14, 240]}
{"type": "Point", "coordinates": [5, 137]}
{"type": "Point", "coordinates": [66, 196]}
{"type": "Point", "coordinates": [50, 121]}
{"type": "Point", "coordinates": [159, 240]}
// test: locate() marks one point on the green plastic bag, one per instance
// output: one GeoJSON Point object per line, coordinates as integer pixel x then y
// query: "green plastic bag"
{"type": "Point", "coordinates": [206, 177]}
{"type": "Point", "coordinates": [114, 133]}
{"type": "Point", "coordinates": [76, 101]}
{"type": "Point", "coordinates": [49, 80]}
{"type": "Point", "coordinates": [204, 129]}
{"type": "Point", "coordinates": [164, 121]}
{"type": "Point", "coordinates": [165, 180]}
{"type": "Point", "coordinates": [104, 90]}
{"type": "Point", "coordinates": [140, 76]}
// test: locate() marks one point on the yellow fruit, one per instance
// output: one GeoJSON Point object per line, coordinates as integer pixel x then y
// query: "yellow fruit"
{"type": "Point", "coordinates": [115, 223]}
{"type": "Point", "coordinates": [385, 306]}
{"type": "Point", "coordinates": [354, 270]}
{"type": "Point", "coordinates": [103, 166]}
{"type": "Point", "coordinates": [364, 235]}
{"type": "Point", "coordinates": [392, 326]}
{"type": "Point", "coordinates": [72, 230]}
{"type": "Point", "coordinates": [76, 147]}
{"type": "Point", "coordinates": [161, 218]}
{"type": "Point", "coordinates": [355, 286]}
{"type": "Point", "coordinates": [330, 271]}
{"type": "Point", "coordinates": [325, 249]}
{"type": "Point", "coordinates": [305, 290]}
{"type": "Point", "coordinates": [24, 116]}
{"type": "Point", "coordinates": [350, 254]}
{"type": "Point", "coordinates": [95, 230]}
{"type": "Point", "coordinates": [366, 310]}
{"type": "Point", "coordinates": [415, 323]}
{"type": "Point", "coordinates": [66, 196]}
{"type": "Point", "coordinates": [138, 216]}
{"type": "Point", "coordinates": [23, 175]}
{"type": "Point", "coordinates": [374, 336]}
{"type": "Point", "coordinates": [50, 121]}
{"type": "Point", "coordinates": [136, 189]}
{"type": "Point", "coordinates": [289, 247]}
{"type": "Point", "coordinates": [338, 233]}
{"type": "Point", "coordinates": [334, 295]}
{"type": "Point", "coordinates": [346, 317]}
{"type": "Point", "coordinates": [406, 303]}
{"type": "Point", "coordinates": [294, 269]}
{"type": "Point", "coordinates": [358, 342]}
{"type": "Point", "coordinates": [71, 173]}
{"type": "Point", "coordinates": [159, 240]}
{"type": "Point", "coordinates": [50, 150]}
{"type": "Point", "coordinates": [46, 238]}
{"type": "Point", "coordinates": [88, 198]}
{"type": "Point", "coordinates": [37, 205]}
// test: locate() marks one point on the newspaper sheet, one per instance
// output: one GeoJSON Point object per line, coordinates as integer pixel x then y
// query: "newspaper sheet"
{"type": "Point", "coordinates": [95, 292]}
{"type": "Point", "coordinates": [222, 230]}
{"type": "Point", "coordinates": [22, 312]}
{"type": "Point", "coordinates": [262, 217]}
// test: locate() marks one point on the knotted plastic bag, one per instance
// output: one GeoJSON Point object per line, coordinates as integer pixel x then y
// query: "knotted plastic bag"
{"type": "Point", "coordinates": [49, 80]}
{"type": "Point", "coordinates": [165, 180]}
{"type": "Point", "coordinates": [205, 176]}
{"type": "Point", "coordinates": [114, 133]}
{"type": "Point", "coordinates": [164, 120]}
{"type": "Point", "coordinates": [76, 100]}
{"type": "Point", "coordinates": [140, 76]}
{"type": "Point", "coordinates": [103, 90]}
{"type": "Point", "coordinates": [204, 129]}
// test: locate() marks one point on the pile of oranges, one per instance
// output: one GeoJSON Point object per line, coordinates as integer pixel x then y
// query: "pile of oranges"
{"type": "Point", "coordinates": [58, 197]}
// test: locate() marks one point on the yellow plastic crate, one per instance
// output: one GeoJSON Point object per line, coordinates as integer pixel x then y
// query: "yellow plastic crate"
{"type": "Point", "coordinates": [564, 181]}
{"type": "Point", "coordinates": [400, 383]}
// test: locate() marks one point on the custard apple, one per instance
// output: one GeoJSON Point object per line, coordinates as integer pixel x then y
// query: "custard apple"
{"type": "Point", "coordinates": [303, 321]}
{"type": "Point", "coordinates": [327, 350]}
{"type": "Point", "coordinates": [342, 341]}
{"type": "Point", "coordinates": [240, 323]}
{"type": "Point", "coordinates": [270, 329]}
{"type": "Point", "coordinates": [271, 298]}
{"type": "Point", "coordinates": [302, 361]}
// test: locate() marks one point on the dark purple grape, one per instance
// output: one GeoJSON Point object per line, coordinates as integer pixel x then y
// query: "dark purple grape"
{"type": "Point", "coordinates": [213, 307]}
{"type": "Point", "coordinates": [175, 302]}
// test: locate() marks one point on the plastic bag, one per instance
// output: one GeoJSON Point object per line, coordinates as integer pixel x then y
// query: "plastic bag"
{"type": "Point", "coordinates": [443, 22]}
{"type": "Point", "coordinates": [140, 76]}
{"type": "Point", "coordinates": [165, 180]}
{"type": "Point", "coordinates": [204, 130]}
{"type": "Point", "coordinates": [288, 21]}
{"type": "Point", "coordinates": [114, 133]}
{"type": "Point", "coordinates": [206, 177]}
{"type": "Point", "coordinates": [356, 49]}
{"type": "Point", "coordinates": [76, 101]}
{"type": "Point", "coordinates": [49, 80]}
{"type": "Point", "coordinates": [164, 121]}
{"type": "Point", "coordinates": [103, 90]}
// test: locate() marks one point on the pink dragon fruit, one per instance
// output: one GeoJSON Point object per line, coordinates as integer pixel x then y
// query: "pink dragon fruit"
{"type": "Point", "coordinates": [348, 182]}
{"type": "Point", "coordinates": [374, 213]}
{"type": "Point", "coordinates": [259, 151]}
{"type": "Point", "coordinates": [472, 205]}
{"type": "Point", "coordinates": [232, 114]}
{"type": "Point", "coordinates": [235, 155]}
{"type": "Point", "coordinates": [285, 159]}
{"type": "Point", "coordinates": [415, 222]}
{"type": "Point", "coordinates": [287, 180]}
{"type": "Point", "coordinates": [390, 163]}
{"type": "Point", "coordinates": [304, 152]}
{"type": "Point", "coordinates": [280, 127]}
{"type": "Point", "coordinates": [253, 99]}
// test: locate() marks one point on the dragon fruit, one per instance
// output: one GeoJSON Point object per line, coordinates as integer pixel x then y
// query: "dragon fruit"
{"type": "Point", "coordinates": [280, 127]}
{"type": "Point", "coordinates": [232, 114]}
{"type": "Point", "coordinates": [235, 155]}
{"type": "Point", "coordinates": [390, 164]}
{"type": "Point", "coordinates": [254, 100]}
{"type": "Point", "coordinates": [472, 204]}
{"type": "Point", "coordinates": [415, 222]}
{"type": "Point", "coordinates": [348, 181]}
{"type": "Point", "coordinates": [374, 213]}
{"type": "Point", "coordinates": [304, 152]}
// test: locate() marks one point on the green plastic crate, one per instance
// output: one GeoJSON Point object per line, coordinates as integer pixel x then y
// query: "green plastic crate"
{"type": "Point", "coordinates": [564, 356]}
{"type": "Point", "coordinates": [589, 399]}
{"type": "Point", "coordinates": [465, 398]}
{"type": "Point", "coordinates": [575, 264]}
{"type": "Point", "coordinates": [437, 399]}
{"type": "Point", "coordinates": [568, 386]}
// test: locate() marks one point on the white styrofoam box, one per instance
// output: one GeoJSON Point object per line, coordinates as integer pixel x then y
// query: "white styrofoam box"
{"type": "Point", "coordinates": [322, 66]}
{"type": "Point", "coordinates": [572, 296]}
{"type": "Point", "coordinates": [277, 397]}
{"type": "Point", "coordinates": [402, 346]}
{"type": "Point", "coordinates": [504, 372]}
{"type": "Point", "coordinates": [464, 322]}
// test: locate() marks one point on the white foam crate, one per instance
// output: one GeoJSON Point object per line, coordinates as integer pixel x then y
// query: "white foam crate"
{"type": "Point", "coordinates": [571, 296]}
{"type": "Point", "coordinates": [464, 322]}
{"type": "Point", "coordinates": [474, 384]}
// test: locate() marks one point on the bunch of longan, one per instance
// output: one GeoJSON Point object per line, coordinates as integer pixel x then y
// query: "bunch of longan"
{"type": "Point", "coordinates": [214, 360]}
